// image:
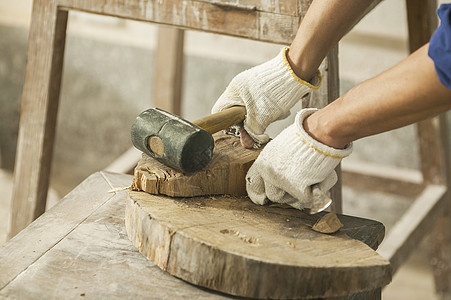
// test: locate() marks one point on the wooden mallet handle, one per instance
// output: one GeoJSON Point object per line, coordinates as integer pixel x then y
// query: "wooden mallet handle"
{"type": "Point", "coordinates": [222, 120]}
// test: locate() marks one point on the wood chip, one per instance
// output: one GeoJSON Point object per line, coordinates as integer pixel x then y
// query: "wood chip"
{"type": "Point", "coordinates": [329, 223]}
{"type": "Point", "coordinates": [119, 189]}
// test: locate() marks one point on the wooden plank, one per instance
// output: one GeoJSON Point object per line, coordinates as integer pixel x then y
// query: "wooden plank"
{"type": "Point", "coordinates": [231, 245]}
{"type": "Point", "coordinates": [286, 7]}
{"type": "Point", "coordinates": [225, 174]}
{"type": "Point", "coordinates": [167, 84]}
{"type": "Point", "coordinates": [91, 257]}
{"type": "Point", "coordinates": [418, 220]}
{"type": "Point", "coordinates": [204, 16]}
{"type": "Point", "coordinates": [48, 230]}
{"type": "Point", "coordinates": [38, 116]}
{"type": "Point", "coordinates": [276, 28]}
{"type": "Point", "coordinates": [386, 179]}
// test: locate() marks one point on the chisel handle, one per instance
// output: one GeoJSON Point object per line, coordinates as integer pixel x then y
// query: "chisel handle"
{"type": "Point", "coordinates": [222, 120]}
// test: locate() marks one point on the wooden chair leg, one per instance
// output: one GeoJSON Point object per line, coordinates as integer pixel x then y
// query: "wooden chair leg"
{"type": "Point", "coordinates": [421, 20]}
{"type": "Point", "coordinates": [440, 258]}
{"type": "Point", "coordinates": [168, 73]}
{"type": "Point", "coordinates": [434, 150]}
{"type": "Point", "coordinates": [333, 92]}
{"type": "Point", "coordinates": [436, 165]}
{"type": "Point", "coordinates": [38, 117]}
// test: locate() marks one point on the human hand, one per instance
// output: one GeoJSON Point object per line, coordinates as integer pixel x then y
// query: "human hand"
{"type": "Point", "coordinates": [290, 164]}
{"type": "Point", "coordinates": [268, 91]}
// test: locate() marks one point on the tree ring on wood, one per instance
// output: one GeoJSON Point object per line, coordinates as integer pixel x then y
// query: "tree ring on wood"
{"type": "Point", "coordinates": [156, 145]}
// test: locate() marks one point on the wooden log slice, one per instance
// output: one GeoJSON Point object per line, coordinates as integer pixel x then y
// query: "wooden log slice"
{"type": "Point", "coordinates": [225, 174]}
{"type": "Point", "coordinates": [231, 245]}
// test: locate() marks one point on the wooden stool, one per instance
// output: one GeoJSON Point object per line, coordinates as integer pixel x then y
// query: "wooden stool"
{"type": "Point", "coordinates": [253, 19]}
{"type": "Point", "coordinates": [80, 247]}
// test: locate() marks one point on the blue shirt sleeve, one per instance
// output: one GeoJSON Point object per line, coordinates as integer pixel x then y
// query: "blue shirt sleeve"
{"type": "Point", "coordinates": [440, 45]}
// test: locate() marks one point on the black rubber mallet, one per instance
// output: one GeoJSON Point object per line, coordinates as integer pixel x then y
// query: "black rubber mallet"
{"type": "Point", "coordinates": [180, 144]}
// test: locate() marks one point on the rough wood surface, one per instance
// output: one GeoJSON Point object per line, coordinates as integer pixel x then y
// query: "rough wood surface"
{"type": "Point", "coordinates": [79, 249]}
{"type": "Point", "coordinates": [290, 7]}
{"type": "Point", "coordinates": [249, 18]}
{"type": "Point", "coordinates": [225, 174]}
{"type": "Point", "coordinates": [231, 245]}
{"type": "Point", "coordinates": [38, 114]}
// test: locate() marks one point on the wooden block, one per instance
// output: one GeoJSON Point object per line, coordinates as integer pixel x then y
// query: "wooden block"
{"type": "Point", "coordinates": [225, 174]}
{"type": "Point", "coordinates": [231, 245]}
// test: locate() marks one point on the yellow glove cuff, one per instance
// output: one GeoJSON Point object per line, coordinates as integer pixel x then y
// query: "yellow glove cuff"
{"type": "Point", "coordinates": [301, 81]}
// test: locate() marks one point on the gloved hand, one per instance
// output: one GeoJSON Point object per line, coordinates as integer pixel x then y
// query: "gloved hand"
{"type": "Point", "coordinates": [268, 91]}
{"type": "Point", "coordinates": [290, 164]}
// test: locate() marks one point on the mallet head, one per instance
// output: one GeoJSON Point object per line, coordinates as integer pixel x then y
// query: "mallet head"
{"type": "Point", "coordinates": [172, 140]}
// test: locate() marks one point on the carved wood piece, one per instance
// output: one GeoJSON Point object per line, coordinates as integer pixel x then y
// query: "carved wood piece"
{"type": "Point", "coordinates": [225, 174]}
{"type": "Point", "coordinates": [231, 245]}
{"type": "Point", "coordinates": [328, 223]}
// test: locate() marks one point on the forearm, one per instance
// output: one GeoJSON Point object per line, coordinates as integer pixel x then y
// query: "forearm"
{"type": "Point", "coordinates": [324, 24]}
{"type": "Point", "coordinates": [322, 27]}
{"type": "Point", "coordinates": [405, 94]}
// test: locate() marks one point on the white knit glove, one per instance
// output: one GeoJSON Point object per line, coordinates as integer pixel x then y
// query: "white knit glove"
{"type": "Point", "coordinates": [290, 164]}
{"type": "Point", "coordinates": [268, 91]}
